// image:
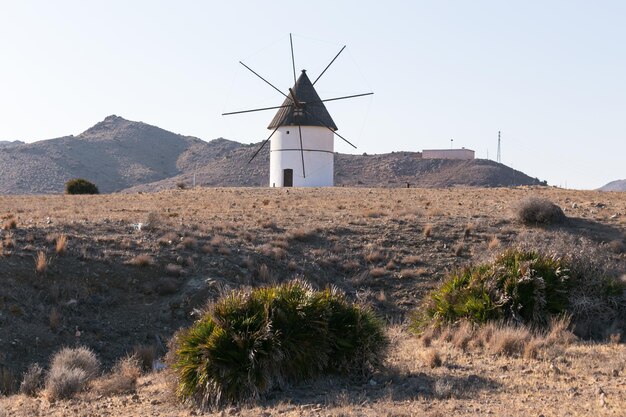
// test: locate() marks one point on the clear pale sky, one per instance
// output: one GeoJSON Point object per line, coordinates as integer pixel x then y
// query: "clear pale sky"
{"type": "Point", "coordinates": [551, 75]}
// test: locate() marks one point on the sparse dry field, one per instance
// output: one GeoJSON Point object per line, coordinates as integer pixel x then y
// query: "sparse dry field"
{"type": "Point", "coordinates": [115, 272]}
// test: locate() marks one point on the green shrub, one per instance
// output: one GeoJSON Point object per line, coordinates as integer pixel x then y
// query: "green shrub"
{"type": "Point", "coordinates": [248, 343]}
{"type": "Point", "coordinates": [80, 186]}
{"type": "Point", "coordinates": [525, 287]}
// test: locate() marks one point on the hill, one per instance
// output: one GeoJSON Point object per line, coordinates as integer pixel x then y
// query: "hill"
{"type": "Point", "coordinates": [115, 154]}
{"type": "Point", "coordinates": [618, 185]}
{"type": "Point", "coordinates": [394, 169]}
{"type": "Point", "coordinates": [9, 143]}
{"type": "Point", "coordinates": [118, 154]}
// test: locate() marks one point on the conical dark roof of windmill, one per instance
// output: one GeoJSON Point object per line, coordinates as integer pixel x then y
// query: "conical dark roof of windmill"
{"type": "Point", "coordinates": [315, 113]}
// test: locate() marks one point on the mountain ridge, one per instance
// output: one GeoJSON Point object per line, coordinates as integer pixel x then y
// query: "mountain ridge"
{"type": "Point", "coordinates": [122, 155]}
{"type": "Point", "coordinates": [617, 185]}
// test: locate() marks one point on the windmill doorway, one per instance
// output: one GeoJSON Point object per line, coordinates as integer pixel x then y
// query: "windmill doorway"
{"type": "Point", "coordinates": [288, 177]}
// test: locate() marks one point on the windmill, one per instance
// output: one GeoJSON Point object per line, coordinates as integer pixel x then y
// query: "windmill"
{"type": "Point", "coordinates": [302, 138]}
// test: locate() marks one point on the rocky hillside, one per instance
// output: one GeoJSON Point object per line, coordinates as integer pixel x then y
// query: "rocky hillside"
{"type": "Point", "coordinates": [619, 185]}
{"type": "Point", "coordinates": [9, 143]}
{"type": "Point", "coordinates": [115, 154]}
{"type": "Point", "coordinates": [119, 154]}
{"type": "Point", "coordinates": [385, 170]}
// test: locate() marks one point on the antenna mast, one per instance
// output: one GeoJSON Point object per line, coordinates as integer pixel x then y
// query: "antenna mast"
{"type": "Point", "coordinates": [499, 157]}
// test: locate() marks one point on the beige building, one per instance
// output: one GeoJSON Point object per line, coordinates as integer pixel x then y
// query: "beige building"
{"type": "Point", "coordinates": [448, 154]}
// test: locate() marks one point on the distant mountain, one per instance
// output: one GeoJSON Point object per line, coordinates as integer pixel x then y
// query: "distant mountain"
{"type": "Point", "coordinates": [8, 143]}
{"type": "Point", "coordinates": [118, 154]}
{"type": "Point", "coordinates": [619, 185]}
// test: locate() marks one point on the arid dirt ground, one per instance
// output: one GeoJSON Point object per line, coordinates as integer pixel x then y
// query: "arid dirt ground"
{"type": "Point", "coordinates": [134, 268]}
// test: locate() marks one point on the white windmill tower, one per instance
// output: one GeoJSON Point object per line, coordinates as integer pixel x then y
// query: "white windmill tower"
{"type": "Point", "coordinates": [302, 138]}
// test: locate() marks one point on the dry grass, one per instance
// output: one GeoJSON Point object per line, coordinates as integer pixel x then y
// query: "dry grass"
{"type": "Point", "coordinates": [142, 260]}
{"type": "Point", "coordinates": [509, 341]}
{"type": "Point", "coordinates": [189, 242]}
{"type": "Point", "coordinates": [377, 272]}
{"type": "Point", "coordinates": [432, 358]}
{"type": "Point", "coordinates": [41, 263]}
{"type": "Point", "coordinates": [70, 372]}
{"type": "Point", "coordinates": [61, 244]}
{"type": "Point", "coordinates": [494, 243]}
{"type": "Point", "coordinates": [121, 380]}
{"type": "Point", "coordinates": [10, 224]}
{"type": "Point", "coordinates": [54, 319]}
{"type": "Point", "coordinates": [32, 380]}
{"type": "Point", "coordinates": [9, 242]}
{"type": "Point", "coordinates": [428, 230]}
{"type": "Point", "coordinates": [374, 256]}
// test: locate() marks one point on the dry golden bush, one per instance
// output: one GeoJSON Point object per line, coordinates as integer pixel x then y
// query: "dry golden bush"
{"type": "Point", "coordinates": [432, 358]}
{"type": "Point", "coordinates": [10, 224]}
{"type": "Point", "coordinates": [494, 243]}
{"type": "Point", "coordinates": [142, 260]}
{"type": "Point", "coordinates": [391, 265]}
{"type": "Point", "coordinates": [373, 214]}
{"type": "Point", "coordinates": [189, 242]}
{"type": "Point", "coordinates": [428, 230]}
{"type": "Point", "coordinates": [377, 272]}
{"type": "Point", "coordinates": [121, 380]}
{"type": "Point", "coordinates": [61, 244]}
{"type": "Point", "coordinates": [458, 249]}
{"type": "Point", "coordinates": [41, 263]}
{"type": "Point", "coordinates": [9, 242]}
{"type": "Point", "coordinates": [411, 260]}
{"type": "Point", "coordinates": [224, 250]}
{"type": "Point", "coordinates": [217, 241]}
{"type": "Point", "coordinates": [411, 272]}
{"type": "Point", "coordinates": [463, 335]}
{"type": "Point", "coordinates": [264, 273]}
{"type": "Point", "coordinates": [560, 333]}
{"type": "Point", "coordinates": [268, 224]}
{"type": "Point", "coordinates": [70, 372]}
{"type": "Point", "coordinates": [374, 256]}
{"type": "Point", "coordinates": [509, 340]}
{"type": "Point", "coordinates": [302, 234]}
{"type": "Point", "coordinates": [32, 380]}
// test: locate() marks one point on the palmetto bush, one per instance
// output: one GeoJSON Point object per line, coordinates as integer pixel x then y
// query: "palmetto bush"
{"type": "Point", "coordinates": [523, 287]}
{"type": "Point", "coordinates": [249, 342]}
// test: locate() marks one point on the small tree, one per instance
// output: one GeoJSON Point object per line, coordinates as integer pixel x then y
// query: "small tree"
{"type": "Point", "coordinates": [80, 186]}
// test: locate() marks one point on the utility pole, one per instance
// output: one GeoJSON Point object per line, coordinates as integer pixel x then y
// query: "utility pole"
{"type": "Point", "coordinates": [499, 156]}
{"type": "Point", "coordinates": [451, 141]}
